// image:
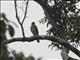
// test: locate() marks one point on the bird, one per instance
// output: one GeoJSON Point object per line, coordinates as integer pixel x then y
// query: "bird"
{"type": "Point", "coordinates": [34, 30]}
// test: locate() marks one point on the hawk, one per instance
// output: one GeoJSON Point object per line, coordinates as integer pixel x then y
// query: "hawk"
{"type": "Point", "coordinates": [34, 30]}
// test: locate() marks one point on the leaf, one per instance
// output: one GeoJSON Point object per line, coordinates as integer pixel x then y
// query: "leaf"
{"type": "Point", "coordinates": [4, 16]}
{"type": "Point", "coordinates": [11, 31]}
{"type": "Point", "coordinates": [2, 26]}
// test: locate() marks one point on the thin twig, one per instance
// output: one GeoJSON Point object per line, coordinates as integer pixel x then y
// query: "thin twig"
{"type": "Point", "coordinates": [21, 8]}
{"type": "Point", "coordinates": [19, 19]}
{"type": "Point", "coordinates": [16, 12]}
{"type": "Point", "coordinates": [25, 11]}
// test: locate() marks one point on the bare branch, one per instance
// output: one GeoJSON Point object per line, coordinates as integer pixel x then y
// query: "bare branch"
{"type": "Point", "coordinates": [49, 38]}
{"type": "Point", "coordinates": [18, 18]}
{"type": "Point", "coordinates": [16, 12]}
{"type": "Point", "coordinates": [25, 11]}
{"type": "Point", "coordinates": [21, 8]}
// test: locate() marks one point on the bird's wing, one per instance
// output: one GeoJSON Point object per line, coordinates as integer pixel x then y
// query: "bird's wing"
{"type": "Point", "coordinates": [37, 33]}
{"type": "Point", "coordinates": [34, 30]}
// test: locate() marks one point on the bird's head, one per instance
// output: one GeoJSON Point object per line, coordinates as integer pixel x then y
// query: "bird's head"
{"type": "Point", "coordinates": [33, 23]}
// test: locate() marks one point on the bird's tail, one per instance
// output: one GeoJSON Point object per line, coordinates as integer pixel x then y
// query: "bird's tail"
{"type": "Point", "coordinates": [38, 40]}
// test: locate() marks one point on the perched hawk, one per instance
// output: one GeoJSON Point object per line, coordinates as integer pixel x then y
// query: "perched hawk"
{"type": "Point", "coordinates": [34, 30]}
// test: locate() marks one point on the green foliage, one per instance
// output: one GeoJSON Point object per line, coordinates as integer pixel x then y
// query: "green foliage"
{"type": "Point", "coordinates": [4, 27]}
{"type": "Point", "coordinates": [2, 30]}
{"type": "Point", "coordinates": [30, 58]}
{"type": "Point", "coordinates": [20, 56]}
{"type": "Point", "coordinates": [65, 21]}
{"type": "Point", "coordinates": [4, 17]}
{"type": "Point", "coordinates": [40, 58]}
{"type": "Point", "coordinates": [11, 31]}
{"type": "Point", "coordinates": [4, 53]}
{"type": "Point", "coordinates": [73, 32]}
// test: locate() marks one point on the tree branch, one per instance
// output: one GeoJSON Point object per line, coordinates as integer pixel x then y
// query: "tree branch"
{"type": "Point", "coordinates": [16, 12]}
{"type": "Point", "coordinates": [25, 11]}
{"type": "Point", "coordinates": [50, 38]}
{"type": "Point", "coordinates": [19, 19]}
